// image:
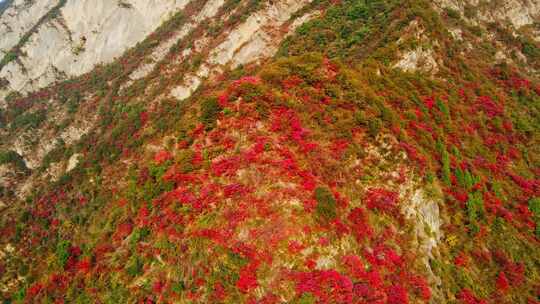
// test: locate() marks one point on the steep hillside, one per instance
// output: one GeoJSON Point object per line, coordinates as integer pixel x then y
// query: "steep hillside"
{"type": "Point", "coordinates": [288, 151]}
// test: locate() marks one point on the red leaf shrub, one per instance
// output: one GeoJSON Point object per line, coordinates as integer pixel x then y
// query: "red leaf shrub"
{"type": "Point", "coordinates": [467, 297]}
{"type": "Point", "coordinates": [429, 102]}
{"type": "Point", "coordinates": [413, 154]}
{"type": "Point", "coordinates": [328, 286]}
{"type": "Point", "coordinates": [246, 79]}
{"type": "Point", "coordinates": [518, 83]}
{"type": "Point", "coordinates": [291, 82]}
{"type": "Point", "coordinates": [490, 107]}
{"type": "Point", "coordinates": [33, 290]}
{"type": "Point", "coordinates": [219, 292]}
{"type": "Point", "coordinates": [397, 294]}
{"type": "Point", "coordinates": [227, 166]}
{"type": "Point", "coordinates": [502, 282]}
{"type": "Point", "coordinates": [354, 266]}
{"type": "Point", "coordinates": [461, 259]}
{"type": "Point", "coordinates": [247, 280]}
{"type": "Point", "coordinates": [158, 287]}
{"type": "Point", "coordinates": [339, 147]}
{"type": "Point", "coordinates": [84, 265]}
{"type": "Point", "coordinates": [382, 200]}
{"type": "Point", "coordinates": [235, 190]}
{"type": "Point", "coordinates": [421, 287]}
{"type": "Point", "coordinates": [122, 231]}
{"type": "Point", "coordinates": [162, 156]}
{"type": "Point", "coordinates": [359, 224]}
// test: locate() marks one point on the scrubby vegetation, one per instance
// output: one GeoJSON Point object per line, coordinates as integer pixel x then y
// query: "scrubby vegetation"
{"type": "Point", "coordinates": [286, 182]}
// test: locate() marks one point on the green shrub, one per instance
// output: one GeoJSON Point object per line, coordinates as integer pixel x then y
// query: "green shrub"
{"type": "Point", "coordinates": [12, 157]}
{"type": "Point", "coordinates": [135, 266]}
{"type": "Point", "coordinates": [29, 120]}
{"type": "Point", "coordinates": [210, 109]}
{"type": "Point", "coordinates": [530, 49]}
{"type": "Point", "coordinates": [9, 57]}
{"type": "Point", "coordinates": [452, 13]}
{"type": "Point", "coordinates": [534, 207]}
{"type": "Point", "coordinates": [306, 298]}
{"type": "Point", "coordinates": [62, 252]}
{"type": "Point", "coordinates": [475, 210]}
{"type": "Point", "coordinates": [445, 161]}
{"type": "Point", "coordinates": [326, 203]}
{"type": "Point", "coordinates": [374, 127]}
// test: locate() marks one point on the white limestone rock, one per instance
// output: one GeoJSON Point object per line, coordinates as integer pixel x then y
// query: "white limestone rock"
{"type": "Point", "coordinates": [88, 32]}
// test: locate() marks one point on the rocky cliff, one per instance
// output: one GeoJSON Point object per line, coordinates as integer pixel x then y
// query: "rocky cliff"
{"type": "Point", "coordinates": [56, 40]}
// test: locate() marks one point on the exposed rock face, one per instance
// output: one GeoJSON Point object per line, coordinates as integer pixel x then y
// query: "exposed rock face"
{"type": "Point", "coordinates": [258, 37]}
{"type": "Point", "coordinates": [209, 10]}
{"type": "Point", "coordinates": [84, 34]}
{"type": "Point", "coordinates": [517, 12]}
{"type": "Point", "coordinates": [19, 18]}
{"type": "Point", "coordinates": [418, 59]}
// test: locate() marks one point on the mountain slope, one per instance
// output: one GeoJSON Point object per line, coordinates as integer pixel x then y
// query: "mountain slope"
{"type": "Point", "coordinates": [285, 152]}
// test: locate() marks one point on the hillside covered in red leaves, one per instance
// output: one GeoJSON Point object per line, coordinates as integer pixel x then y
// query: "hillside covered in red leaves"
{"type": "Point", "coordinates": [323, 175]}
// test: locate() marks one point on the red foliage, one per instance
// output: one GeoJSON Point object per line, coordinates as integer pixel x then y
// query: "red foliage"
{"type": "Point", "coordinates": [219, 292]}
{"type": "Point", "coordinates": [385, 256]}
{"type": "Point", "coordinates": [158, 286]}
{"type": "Point", "coordinates": [515, 273]}
{"type": "Point", "coordinates": [308, 180]}
{"type": "Point", "coordinates": [144, 118]}
{"type": "Point", "coordinates": [247, 280]}
{"type": "Point", "coordinates": [340, 228]}
{"type": "Point", "coordinates": [461, 259]}
{"type": "Point", "coordinates": [518, 83]}
{"type": "Point", "coordinates": [355, 266]}
{"type": "Point", "coordinates": [528, 186]}
{"type": "Point", "coordinates": [338, 148]}
{"type": "Point", "coordinates": [291, 82]}
{"type": "Point", "coordinates": [295, 247]}
{"type": "Point", "coordinates": [382, 200]}
{"type": "Point", "coordinates": [223, 100]}
{"type": "Point", "coordinates": [397, 294]}
{"type": "Point", "coordinates": [467, 297]}
{"type": "Point", "coordinates": [429, 102]}
{"type": "Point", "coordinates": [162, 156]}
{"type": "Point", "coordinates": [502, 282]}
{"type": "Point", "coordinates": [246, 79]}
{"type": "Point", "coordinates": [421, 287]}
{"type": "Point", "coordinates": [57, 282]}
{"type": "Point", "coordinates": [328, 286]}
{"type": "Point", "coordinates": [34, 290]}
{"type": "Point", "coordinates": [413, 154]}
{"type": "Point", "coordinates": [490, 107]}
{"type": "Point", "coordinates": [122, 231]}
{"type": "Point", "coordinates": [226, 167]}
{"type": "Point", "coordinates": [84, 265]}
{"type": "Point", "coordinates": [143, 217]}
{"type": "Point", "coordinates": [235, 190]}
{"type": "Point", "coordinates": [359, 224]}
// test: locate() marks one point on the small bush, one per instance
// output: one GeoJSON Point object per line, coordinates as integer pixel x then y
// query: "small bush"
{"type": "Point", "coordinates": [374, 127]}
{"type": "Point", "coordinates": [534, 207]}
{"type": "Point", "coordinates": [326, 203]}
{"type": "Point", "coordinates": [29, 120]}
{"type": "Point", "coordinates": [62, 252]}
{"type": "Point", "coordinates": [210, 109]}
{"type": "Point", "coordinates": [530, 49]}
{"type": "Point", "coordinates": [452, 13]}
{"type": "Point", "coordinates": [135, 266]}
{"type": "Point", "coordinates": [12, 157]}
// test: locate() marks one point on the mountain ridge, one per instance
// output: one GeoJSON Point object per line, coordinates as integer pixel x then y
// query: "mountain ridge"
{"type": "Point", "coordinates": [334, 152]}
